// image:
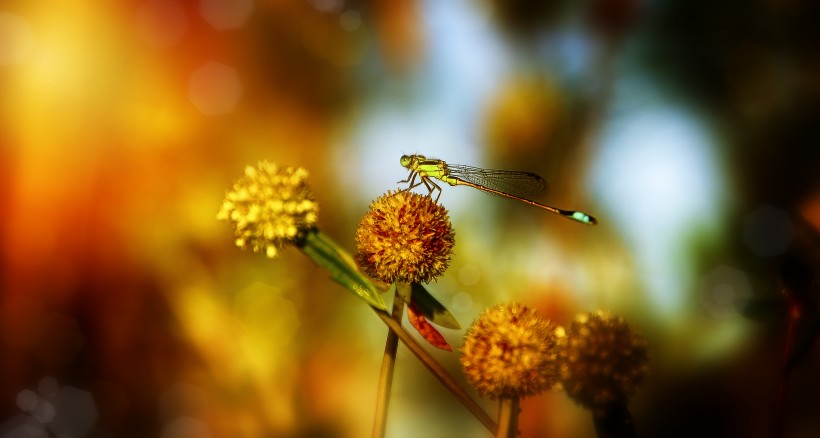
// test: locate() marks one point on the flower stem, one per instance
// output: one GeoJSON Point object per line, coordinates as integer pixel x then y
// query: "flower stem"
{"type": "Point", "coordinates": [328, 254]}
{"type": "Point", "coordinates": [386, 377]}
{"type": "Point", "coordinates": [438, 371]}
{"type": "Point", "coordinates": [508, 417]}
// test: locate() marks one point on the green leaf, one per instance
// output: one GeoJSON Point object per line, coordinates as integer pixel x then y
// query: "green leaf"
{"type": "Point", "coordinates": [341, 266]}
{"type": "Point", "coordinates": [432, 309]}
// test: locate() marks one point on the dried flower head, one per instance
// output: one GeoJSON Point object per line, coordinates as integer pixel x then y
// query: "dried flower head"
{"type": "Point", "coordinates": [510, 351]}
{"type": "Point", "coordinates": [602, 360]}
{"type": "Point", "coordinates": [405, 237]}
{"type": "Point", "coordinates": [269, 207]}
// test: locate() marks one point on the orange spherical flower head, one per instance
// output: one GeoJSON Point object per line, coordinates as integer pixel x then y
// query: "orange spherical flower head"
{"type": "Point", "coordinates": [510, 351]}
{"type": "Point", "coordinates": [405, 237]}
{"type": "Point", "coordinates": [269, 207]}
{"type": "Point", "coordinates": [602, 360]}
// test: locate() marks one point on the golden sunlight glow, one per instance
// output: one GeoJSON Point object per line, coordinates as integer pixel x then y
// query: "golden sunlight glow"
{"type": "Point", "coordinates": [251, 344]}
{"type": "Point", "coordinates": [161, 23]}
{"type": "Point", "coordinates": [16, 39]}
{"type": "Point", "coordinates": [214, 88]}
{"type": "Point", "coordinates": [123, 125]}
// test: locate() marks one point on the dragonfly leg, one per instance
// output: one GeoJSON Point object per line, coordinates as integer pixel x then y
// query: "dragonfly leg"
{"type": "Point", "coordinates": [410, 178]}
{"type": "Point", "coordinates": [411, 186]}
{"type": "Point", "coordinates": [428, 183]}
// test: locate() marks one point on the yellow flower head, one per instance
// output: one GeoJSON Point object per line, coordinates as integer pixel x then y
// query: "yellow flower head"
{"type": "Point", "coordinates": [405, 237]}
{"type": "Point", "coordinates": [602, 360]}
{"type": "Point", "coordinates": [510, 351]}
{"type": "Point", "coordinates": [269, 207]}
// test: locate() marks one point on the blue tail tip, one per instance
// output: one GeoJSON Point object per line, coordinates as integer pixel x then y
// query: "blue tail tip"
{"type": "Point", "coordinates": [583, 217]}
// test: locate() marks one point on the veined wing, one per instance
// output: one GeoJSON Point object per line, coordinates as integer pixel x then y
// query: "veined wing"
{"type": "Point", "coordinates": [521, 184]}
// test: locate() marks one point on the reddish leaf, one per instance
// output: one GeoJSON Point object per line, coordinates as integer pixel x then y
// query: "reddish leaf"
{"type": "Point", "coordinates": [426, 329]}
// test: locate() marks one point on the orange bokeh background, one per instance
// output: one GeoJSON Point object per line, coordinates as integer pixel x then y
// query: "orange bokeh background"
{"type": "Point", "coordinates": [123, 123]}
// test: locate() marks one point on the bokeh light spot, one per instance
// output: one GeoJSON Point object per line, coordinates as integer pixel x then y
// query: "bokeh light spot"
{"type": "Point", "coordinates": [724, 290]}
{"type": "Point", "coordinates": [161, 23]}
{"type": "Point", "coordinates": [350, 20]}
{"type": "Point", "coordinates": [723, 294]}
{"type": "Point", "coordinates": [26, 400]}
{"type": "Point", "coordinates": [328, 5]}
{"type": "Point", "coordinates": [25, 428]}
{"type": "Point", "coordinates": [76, 412]}
{"type": "Point", "coordinates": [462, 302]}
{"type": "Point", "coordinates": [469, 274]}
{"type": "Point", "coordinates": [214, 88]}
{"type": "Point", "coordinates": [768, 231]}
{"type": "Point", "coordinates": [186, 427]}
{"type": "Point", "coordinates": [225, 14]}
{"type": "Point", "coordinates": [44, 412]}
{"type": "Point", "coordinates": [16, 39]}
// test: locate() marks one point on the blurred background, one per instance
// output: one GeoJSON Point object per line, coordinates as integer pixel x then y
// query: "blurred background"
{"type": "Point", "coordinates": [688, 128]}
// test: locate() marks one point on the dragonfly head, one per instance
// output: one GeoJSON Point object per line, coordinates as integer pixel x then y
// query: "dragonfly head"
{"type": "Point", "coordinates": [407, 160]}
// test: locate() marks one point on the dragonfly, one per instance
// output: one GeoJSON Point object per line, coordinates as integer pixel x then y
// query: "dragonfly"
{"type": "Point", "coordinates": [522, 186]}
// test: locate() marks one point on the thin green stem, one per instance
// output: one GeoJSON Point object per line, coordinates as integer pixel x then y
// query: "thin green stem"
{"type": "Point", "coordinates": [386, 377]}
{"type": "Point", "coordinates": [438, 371]}
{"type": "Point", "coordinates": [329, 255]}
{"type": "Point", "coordinates": [507, 417]}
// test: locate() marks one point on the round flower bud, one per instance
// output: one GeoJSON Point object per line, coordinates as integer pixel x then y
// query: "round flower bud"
{"type": "Point", "coordinates": [510, 351]}
{"type": "Point", "coordinates": [602, 360]}
{"type": "Point", "coordinates": [269, 207]}
{"type": "Point", "coordinates": [405, 237]}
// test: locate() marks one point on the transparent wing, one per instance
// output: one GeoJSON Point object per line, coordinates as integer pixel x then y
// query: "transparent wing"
{"type": "Point", "coordinates": [521, 184]}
